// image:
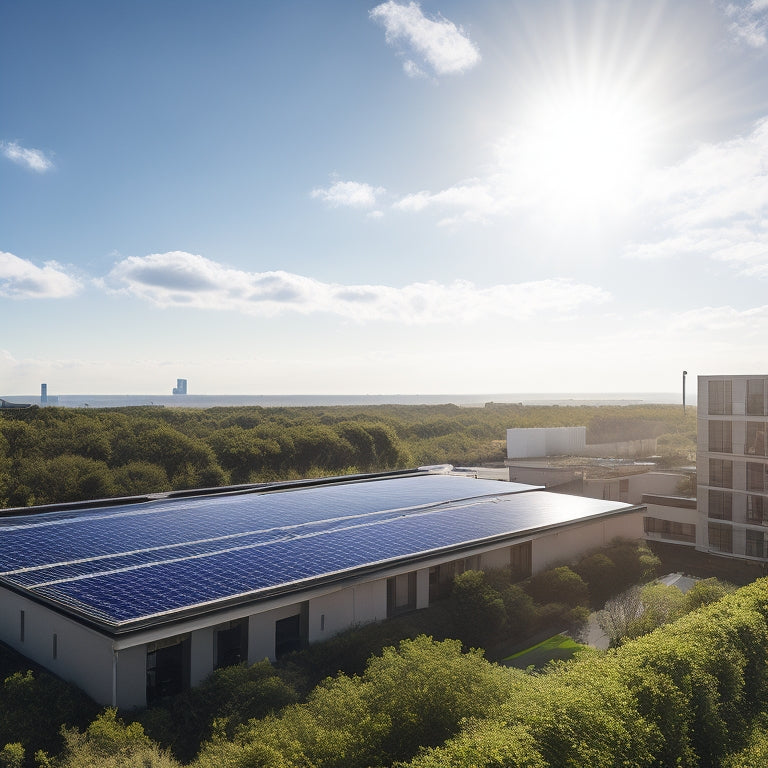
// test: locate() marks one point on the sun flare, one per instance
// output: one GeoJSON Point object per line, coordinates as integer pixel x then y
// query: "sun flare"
{"type": "Point", "coordinates": [582, 150]}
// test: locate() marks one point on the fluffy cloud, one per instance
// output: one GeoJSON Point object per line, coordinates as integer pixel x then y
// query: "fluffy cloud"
{"type": "Point", "coordinates": [443, 46]}
{"type": "Point", "coordinates": [21, 279]}
{"type": "Point", "coordinates": [714, 204]}
{"type": "Point", "coordinates": [749, 21]}
{"type": "Point", "coordinates": [179, 279]}
{"type": "Point", "coordinates": [33, 159]}
{"type": "Point", "coordinates": [353, 194]}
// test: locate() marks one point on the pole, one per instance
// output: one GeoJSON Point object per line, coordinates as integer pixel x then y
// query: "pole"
{"type": "Point", "coordinates": [685, 373]}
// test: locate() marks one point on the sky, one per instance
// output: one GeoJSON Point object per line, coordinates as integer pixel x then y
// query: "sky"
{"type": "Point", "coordinates": [365, 198]}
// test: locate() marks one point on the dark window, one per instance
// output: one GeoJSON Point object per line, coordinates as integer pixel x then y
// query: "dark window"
{"type": "Point", "coordinates": [757, 510]}
{"type": "Point", "coordinates": [623, 489]}
{"type": "Point", "coordinates": [168, 663]}
{"type": "Point", "coordinates": [520, 560]}
{"type": "Point", "coordinates": [755, 544]}
{"type": "Point", "coordinates": [720, 537]}
{"type": "Point", "coordinates": [55, 648]}
{"type": "Point", "coordinates": [755, 443]}
{"type": "Point", "coordinates": [440, 580]}
{"type": "Point", "coordinates": [669, 529]}
{"type": "Point", "coordinates": [755, 397]}
{"type": "Point", "coordinates": [401, 593]}
{"type": "Point", "coordinates": [720, 398]}
{"type": "Point", "coordinates": [289, 635]}
{"type": "Point", "coordinates": [755, 476]}
{"type": "Point", "coordinates": [720, 505]}
{"type": "Point", "coordinates": [721, 473]}
{"type": "Point", "coordinates": [232, 644]}
{"type": "Point", "coordinates": [21, 626]}
{"type": "Point", "coordinates": [720, 437]}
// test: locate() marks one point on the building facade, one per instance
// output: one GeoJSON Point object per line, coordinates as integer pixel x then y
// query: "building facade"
{"type": "Point", "coordinates": [141, 598]}
{"type": "Point", "coordinates": [732, 466]}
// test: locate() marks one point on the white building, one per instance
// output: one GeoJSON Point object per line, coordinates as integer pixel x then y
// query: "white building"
{"type": "Point", "coordinates": [732, 464]}
{"type": "Point", "coordinates": [545, 441]}
{"type": "Point", "coordinates": [135, 599]}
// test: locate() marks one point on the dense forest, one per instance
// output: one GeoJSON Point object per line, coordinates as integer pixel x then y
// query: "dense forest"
{"type": "Point", "coordinates": [57, 455]}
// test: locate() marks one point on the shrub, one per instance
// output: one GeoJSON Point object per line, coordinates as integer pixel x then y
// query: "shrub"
{"type": "Point", "coordinates": [599, 573]}
{"type": "Point", "coordinates": [559, 585]}
{"type": "Point", "coordinates": [478, 609]}
{"type": "Point", "coordinates": [520, 610]}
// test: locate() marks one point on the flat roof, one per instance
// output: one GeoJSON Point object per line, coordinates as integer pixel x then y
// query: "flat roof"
{"type": "Point", "coordinates": [135, 565]}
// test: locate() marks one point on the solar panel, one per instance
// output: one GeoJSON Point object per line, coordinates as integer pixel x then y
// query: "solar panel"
{"type": "Point", "coordinates": [126, 564]}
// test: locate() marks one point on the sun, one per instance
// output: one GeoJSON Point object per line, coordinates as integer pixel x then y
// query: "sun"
{"type": "Point", "coordinates": [583, 150]}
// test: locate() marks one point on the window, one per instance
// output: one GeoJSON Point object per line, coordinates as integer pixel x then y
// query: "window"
{"type": "Point", "coordinates": [55, 648]}
{"type": "Point", "coordinates": [755, 443]}
{"type": "Point", "coordinates": [401, 594]}
{"type": "Point", "coordinates": [669, 529]}
{"type": "Point", "coordinates": [720, 398]}
{"type": "Point", "coordinates": [757, 510]}
{"type": "Point", "coordinates": [520, 560]}
{"type": "Point", "coordinates": [756, 476]}
{"type": "Point", "coordinates": [720, 537]}
{"type": "Point", "coordinates": [624, 489]}
{"type": "Point", "coordinates": [755, 397]}
{"type": "Point", "coordinates": [288, 635]}
{"type": "Point", "coordinates": [440, 580]}
{"type": "Point", "coordinates": [168, 663]}
{"type": "Point", "coordinates": [720, 437]}
{"type": "Point", "coordinates": [231, 643]}
{"type": "Point", "coordinates": [21, 626]}
{"type": "Point", "coordinates": [720, 505]}
{"type": "Point", "coordinates": [755, 544]}
{"type": "Point", "coordinates": [721, 473]}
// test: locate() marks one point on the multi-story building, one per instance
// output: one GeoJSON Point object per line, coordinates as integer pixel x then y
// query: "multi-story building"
{"type": "Point", "coordinates": [732, 466]}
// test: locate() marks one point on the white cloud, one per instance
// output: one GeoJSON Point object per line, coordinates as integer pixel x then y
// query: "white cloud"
{"type": "Point", "coordinates": [749, 21]}
{"type": "Point", "coordinates": [715, 320]}
{"type": "Point", "coordinates": [21, 279]}
{"type": "Point", "coordinates": [714, 204]}
{"type": "Point", "coordinates": [34, 159]}
{"type": "Point", "coordinates": [179, 279]}
{"type": "Point", "coordinates": [474, 200]}
{"type": "Point", "coordinates": [440, 43]}
{"type": "Point", "coordinates": [353, 194]}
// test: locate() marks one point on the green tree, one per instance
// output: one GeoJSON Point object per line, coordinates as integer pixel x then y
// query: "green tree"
{"type": "Point", "coordinates": [109, 743]}
{"type": "Point", "coordinates": [478, 609]}
{"type": "Point", "coordinates": [559, 585]}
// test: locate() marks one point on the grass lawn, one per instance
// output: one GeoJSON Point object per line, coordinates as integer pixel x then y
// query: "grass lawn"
{"type": "Point", "coordinates": [556, 647]}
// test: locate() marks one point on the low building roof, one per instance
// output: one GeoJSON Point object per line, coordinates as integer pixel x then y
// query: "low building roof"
{"type": "Point", "coordinates": [133, 565]}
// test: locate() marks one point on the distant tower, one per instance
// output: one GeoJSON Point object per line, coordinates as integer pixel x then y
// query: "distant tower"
{"type": "Point", "coordinates": [181, 387]}
{"type": "Point", "coordinates": [43, 394]}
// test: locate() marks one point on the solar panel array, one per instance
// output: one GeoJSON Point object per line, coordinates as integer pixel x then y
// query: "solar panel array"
{"type": "Point", "coordinates": [130, 563]}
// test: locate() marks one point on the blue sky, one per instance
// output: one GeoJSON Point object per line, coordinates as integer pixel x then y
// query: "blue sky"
{"type": "Point", "coordinates": [341, 197]}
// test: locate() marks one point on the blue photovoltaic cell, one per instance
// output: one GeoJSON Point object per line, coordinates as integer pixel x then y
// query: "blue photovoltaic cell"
{"type": "Point", "coordinates": [123, 564]}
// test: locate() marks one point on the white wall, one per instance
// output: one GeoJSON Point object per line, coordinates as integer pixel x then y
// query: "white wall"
{"type": "Point", "coordinates": [661, 483]}
{"type": "Point", "coordinates": [131, 677]}
{"type": "Point", "coordinates": [83, 656]}
{"type": "Point", "coordinates": [563, 545]}
{"type": "Point", "coordinates": [545, 441]}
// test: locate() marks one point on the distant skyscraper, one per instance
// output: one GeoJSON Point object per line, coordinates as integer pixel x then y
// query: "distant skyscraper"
{"type": "Point", "coordinates": [181, 387]}
{"type": "Point", "coordinates": [43, 394]}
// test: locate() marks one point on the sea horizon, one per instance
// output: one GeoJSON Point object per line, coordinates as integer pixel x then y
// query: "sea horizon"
{"type": "Point", "coordinates": [308, 400]}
